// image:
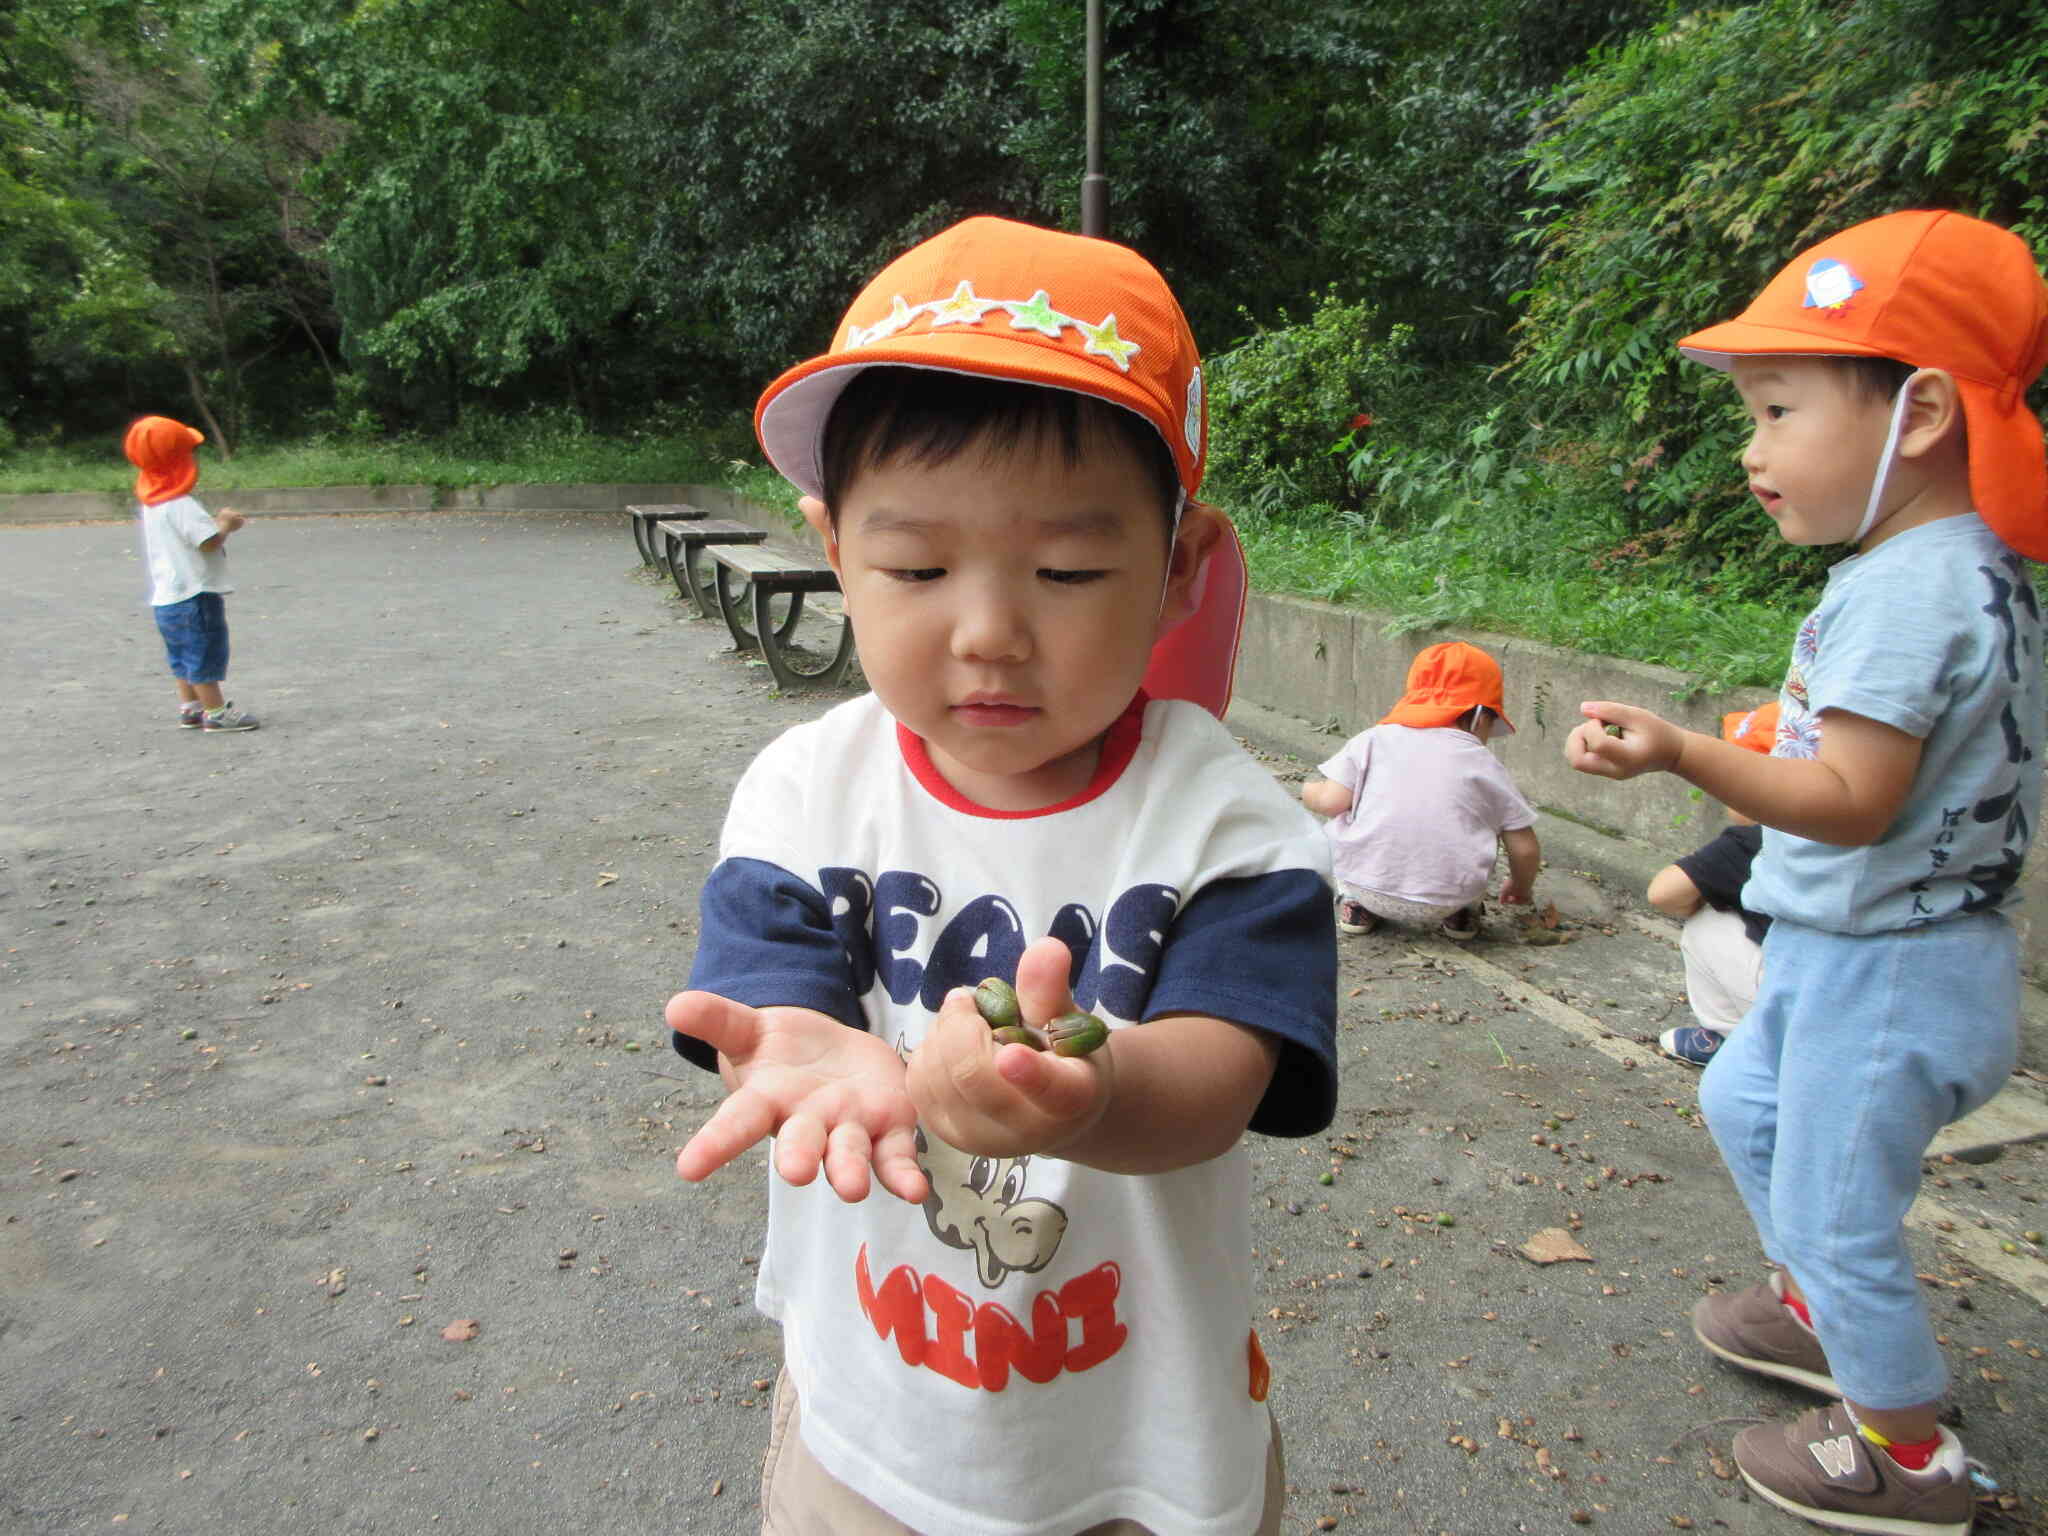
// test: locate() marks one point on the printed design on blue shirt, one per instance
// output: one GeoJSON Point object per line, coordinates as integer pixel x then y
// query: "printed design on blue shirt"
{"type": "Point", "coordinates": [1990, 883]}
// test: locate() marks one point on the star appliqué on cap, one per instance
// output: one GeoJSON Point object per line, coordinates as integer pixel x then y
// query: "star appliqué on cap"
{"type": "Point", "coordinates": [1103, 341]}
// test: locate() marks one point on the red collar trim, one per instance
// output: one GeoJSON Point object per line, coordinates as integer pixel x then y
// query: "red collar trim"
{"type": "Point", "coordinates": [1119, 745]}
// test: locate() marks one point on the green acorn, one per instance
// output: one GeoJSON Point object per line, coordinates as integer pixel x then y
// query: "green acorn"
{"type": "Point", "coordinates": [996, 1000]}
{"type": "Point", "coordinates": [1076, 1034]}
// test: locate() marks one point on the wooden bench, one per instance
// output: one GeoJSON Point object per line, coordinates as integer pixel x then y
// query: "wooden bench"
{"type": "Point", "coordinates": [682, 540]}
{"type": "Point", "coordinates": [644, 520]}
{"type": "Point", "coordinates": [749, 581]}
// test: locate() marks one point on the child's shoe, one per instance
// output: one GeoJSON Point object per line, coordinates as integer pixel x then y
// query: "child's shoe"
{"type": "Point", "coordinates": [1353, 918]}
{"type": "Point", "coordinates": [1462, 924]}
{"type": "Point", "coordinates": [1820, 1468]}
{"type": "Point", "coordinates": [1757, 1331]}
{"type": "Point", "coordinates": [1692, 1044]}
{"type": "Point", "coordinates": [189, 715]}
{"type": "Point", "coordinates": [229, 718]}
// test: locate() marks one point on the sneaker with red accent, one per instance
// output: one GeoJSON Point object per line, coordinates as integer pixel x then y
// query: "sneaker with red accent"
{"type": "Point", "coordinates": [189, 715]}
{"type": "Point", "coordinates": [1352, 917]}
{"type": "Point", "coordinates": [1757, 1331]}
{"type": "Point", "coordinates": [1820, 1468]}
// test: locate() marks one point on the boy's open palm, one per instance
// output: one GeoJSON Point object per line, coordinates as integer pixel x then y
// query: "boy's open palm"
{"type": "Point", "coordinates": [832, 1097]}
{"type": "Point", "coordinates": [1008, 1100]}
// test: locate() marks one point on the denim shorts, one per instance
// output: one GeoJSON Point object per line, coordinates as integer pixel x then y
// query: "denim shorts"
{"type": "Point", "coordinates": [195, 635]}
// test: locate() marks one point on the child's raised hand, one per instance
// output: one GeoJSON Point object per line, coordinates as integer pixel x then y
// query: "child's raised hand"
{"type": "Point", "coordinates": [1008, 1100]}
{"type": "Point", "coordinates": [832, 1097]}
{"type": "Point", "coordinates": [1647, 743]}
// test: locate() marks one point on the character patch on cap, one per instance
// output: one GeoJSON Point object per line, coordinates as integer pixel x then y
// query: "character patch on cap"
{"type": "Point", "coordinates": [965, 307]}
{"type": "Point", "coordinates": [1830, 285]}
{"type": "Point", "coordinates": [1191, 423]}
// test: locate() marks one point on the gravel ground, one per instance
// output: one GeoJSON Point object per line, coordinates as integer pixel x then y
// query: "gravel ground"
{"type": "Point", "coordinates": [323, 1043]}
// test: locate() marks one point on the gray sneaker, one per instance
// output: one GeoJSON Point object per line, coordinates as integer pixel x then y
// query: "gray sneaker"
{"type": "Point", "coordinates": [228, 718]}
{"type": "Point", "coordinates": [1820, 1468]}
{"type": "Point", "coordinates": [1757, 1331]}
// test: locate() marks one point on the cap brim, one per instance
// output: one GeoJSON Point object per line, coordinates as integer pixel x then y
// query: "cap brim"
{"type": "Point", "coordinates": [790, 419]}
{"type": "Point", "coordinates": [1719, 345]}
{"type": "Point", "coordinates": [2008, 466]}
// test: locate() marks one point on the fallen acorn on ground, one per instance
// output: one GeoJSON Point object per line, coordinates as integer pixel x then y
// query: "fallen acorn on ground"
{"type": "Point", "coordinates": [1071, 1034]}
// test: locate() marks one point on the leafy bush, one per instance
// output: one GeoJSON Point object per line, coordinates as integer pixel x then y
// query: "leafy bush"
{"type": "Point", "coordinates": [1292, 403]}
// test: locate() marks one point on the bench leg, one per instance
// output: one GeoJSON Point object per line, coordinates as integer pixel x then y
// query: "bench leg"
{"type": "Point", "coordinates": [783, 667]}
{"type": "Point", "coordinates": [643, 540]}
{"type": "Point", "coordinates": [739, 601]}
{"type": "Point", "coordinates": [688, 575]}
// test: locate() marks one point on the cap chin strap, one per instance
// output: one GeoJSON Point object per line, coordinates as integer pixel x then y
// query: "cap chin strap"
{"type": "Point", "coordinates": [1884, 462]}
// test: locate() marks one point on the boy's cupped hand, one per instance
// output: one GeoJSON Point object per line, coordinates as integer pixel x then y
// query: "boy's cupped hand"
{"type": "Point", "coordinates": [832, 1097]}
{"type": "Point", "coordinates": [999, 1100]}
{"type": "Point", "coordinates": [1647, 744]}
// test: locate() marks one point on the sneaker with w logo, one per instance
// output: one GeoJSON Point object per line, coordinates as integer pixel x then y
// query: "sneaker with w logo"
{"type": "Point", "coordinates": [1757, 1331]}
{"type": "Point", "coordinates": [1820, 1468]}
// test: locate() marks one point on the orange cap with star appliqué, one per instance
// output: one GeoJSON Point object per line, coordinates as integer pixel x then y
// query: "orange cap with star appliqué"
{"type": "Point", "coordinates": [1005, 300]}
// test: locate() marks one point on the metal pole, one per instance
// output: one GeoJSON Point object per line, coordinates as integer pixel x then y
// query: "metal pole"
{"type": "Point", "coordinates": [1094, 185]}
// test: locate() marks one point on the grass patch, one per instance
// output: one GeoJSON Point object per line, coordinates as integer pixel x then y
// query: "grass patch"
{"type": "Point", "coordinates": [582, 459]}
{"type": "Point", "coordinates": [1514, 570]}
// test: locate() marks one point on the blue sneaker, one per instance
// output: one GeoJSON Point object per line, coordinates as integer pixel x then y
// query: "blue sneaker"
{"type": "Point", "coordinates": [1694, 1044]}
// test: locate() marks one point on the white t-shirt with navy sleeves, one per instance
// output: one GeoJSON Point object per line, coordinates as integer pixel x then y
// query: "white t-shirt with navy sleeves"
{"type": "Point", "coordinates": [1042, 1345]}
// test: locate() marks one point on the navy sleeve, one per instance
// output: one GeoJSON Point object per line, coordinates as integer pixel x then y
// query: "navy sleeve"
{"type": "Point", "coordinates": [1721, 867]}
{"type": "Point", "coordinates": [766, 940]}
{"type": "Point", "coordinates": [1261, 951]}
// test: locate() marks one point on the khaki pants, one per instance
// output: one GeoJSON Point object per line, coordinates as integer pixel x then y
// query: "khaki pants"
{"type": "Point", "coordinates": [800, 1498]}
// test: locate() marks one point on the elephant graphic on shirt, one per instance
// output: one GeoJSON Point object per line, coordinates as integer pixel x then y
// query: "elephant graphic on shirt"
{"type": "Point", "coordinates": [978, 1203]}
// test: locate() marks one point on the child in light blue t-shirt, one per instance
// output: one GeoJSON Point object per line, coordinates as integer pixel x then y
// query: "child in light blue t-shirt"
{"type": "Point", "coordinates": [1885, 372]}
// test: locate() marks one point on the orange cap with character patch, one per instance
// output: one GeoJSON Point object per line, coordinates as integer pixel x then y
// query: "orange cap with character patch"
{"type": "Point", "coordinates": [1755, 729]}
{"type": "Point", "coordinates": [1932, 289]}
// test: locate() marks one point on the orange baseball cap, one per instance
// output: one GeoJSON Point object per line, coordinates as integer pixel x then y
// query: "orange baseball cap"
{"type": "Point", "coordinates": [162, 450]}
{"type": "Point", "coordinates": [1756, 729]}
{"type": "Point", "coordinates": [1005, 300]}
{"type": "Point", "coordinates": [1933, 289]}
{"type": "Point", "coordinates": [1446, 681]}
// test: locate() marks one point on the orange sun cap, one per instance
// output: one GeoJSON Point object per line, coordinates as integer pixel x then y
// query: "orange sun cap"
{"type": "Point", "coordinates": [162, 450]}
{"type": "Point", "coordinates": [1445, 682]}
{"type": "Point", "coordinates": [1932, 289]}
{"type": "Point", "coordinates": [1003, 300]}
{"type": "Point", "coordinates": [1006, 301]}
{"type": "Point", "coordinates": [1756, 729]}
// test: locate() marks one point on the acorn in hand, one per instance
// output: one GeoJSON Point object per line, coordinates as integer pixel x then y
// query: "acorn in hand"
{"type": "Point", "coordinates": [1071, 1034]}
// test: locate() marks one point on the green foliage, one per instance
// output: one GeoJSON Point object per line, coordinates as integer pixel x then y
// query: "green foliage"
{"type": "Point", "coordinates": [1686, 166]}
{"type": "Point", "coordinates": [1422, 158]}
{"type": "Point", "coordinates": [1291, 403]}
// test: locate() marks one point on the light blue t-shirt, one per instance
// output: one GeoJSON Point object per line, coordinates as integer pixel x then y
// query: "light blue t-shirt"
{"type": "Point", "coordinates": [1936, 633]}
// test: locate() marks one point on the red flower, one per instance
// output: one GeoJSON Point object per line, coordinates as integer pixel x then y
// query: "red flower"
{"type": "Point", "coordinates": [1360, 422]}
